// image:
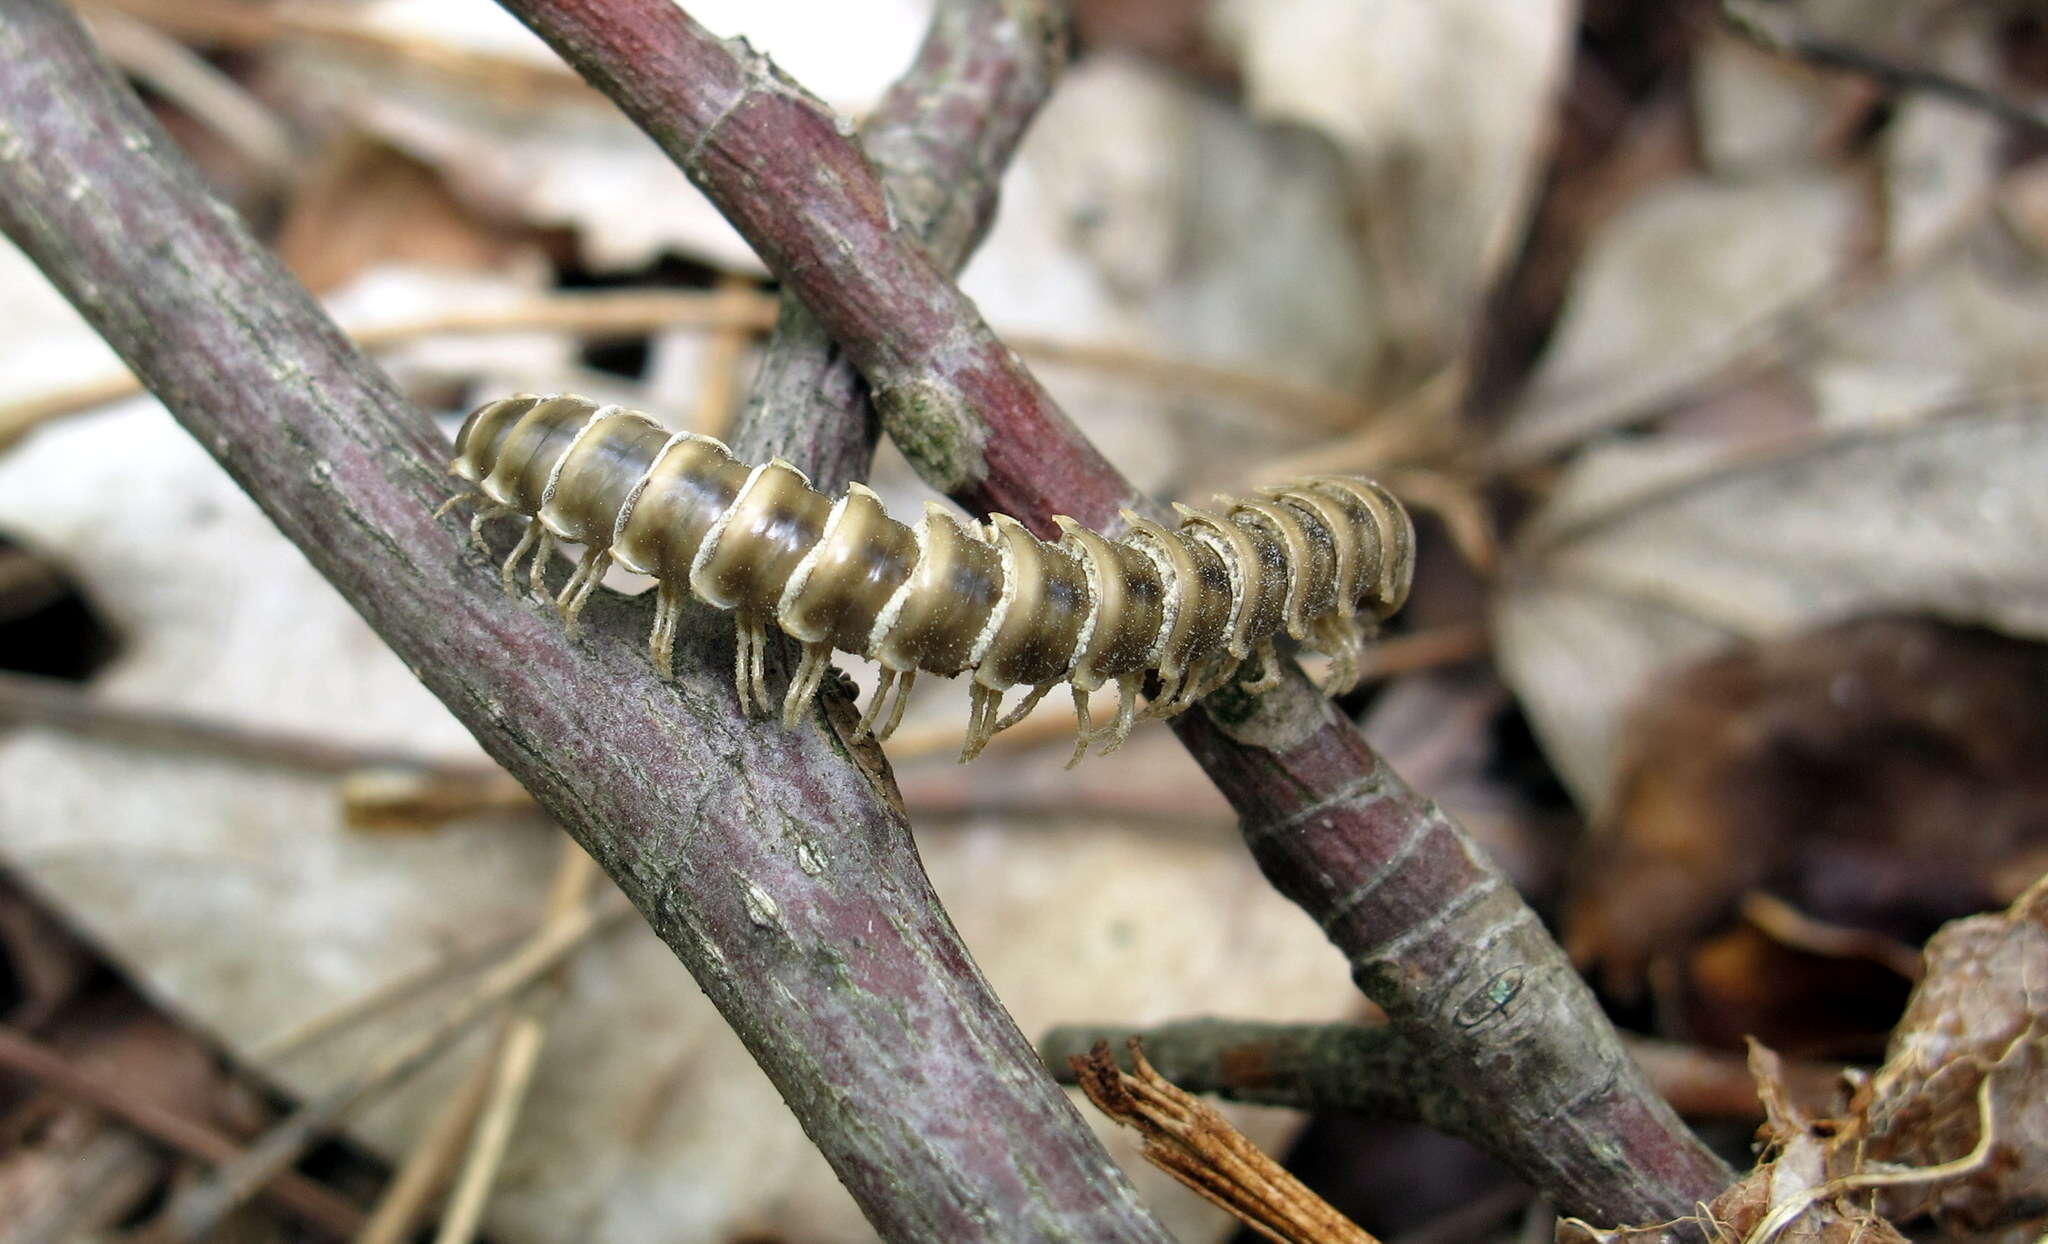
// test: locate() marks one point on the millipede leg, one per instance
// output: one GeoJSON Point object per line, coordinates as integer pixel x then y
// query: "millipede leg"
{"type": "Point", "coordinates": [485, 515]}
{"type": "Point", "coordinates": [661, 641]}
{"type": "Point", "coordinates": [750, 643]}
{"type": "Point", "coordinates": [1269, 669]}
{"type": "Point", "coordinates": [456, 500]}
{"type": "Point", "coordinates": [1126, 717]}
{"type": "Point", "coordinates": [1084, 726]}
{"type": "Point", "coordinates": [1217, 677]}
{"type": "Point", "coordinates": [576, 592]}
{"type": "Point", "coordinates": [981, 713]}
{"type": "Point", "coordinates": [809, 673]}
{"type": "Point", "coordinates": [903, 686]}
{"type": "Point", "coordinates": [742, 667]}
{"type": "Point", "coordinates": [527, 540]}
{"type": "Point", "coordinates": [1186, 689]}
{"type": "Point", "coordinates": [757, 667]}
{"type": "Point", "coordinates": [1023, 709]}
{"type": "Point", "coordinates": [874, 708]}
{"type": "Point", "coordinates": [1169, 690]}
{"type": "Point", "coordinates": [1342, 639]}
{"type": "Point", "coordinates": [537, 576]}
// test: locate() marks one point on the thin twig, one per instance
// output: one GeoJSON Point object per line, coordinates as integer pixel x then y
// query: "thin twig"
{"type": "Point", "coordinates": [385, 998]}
{"type": "Point", "coordinates": [1323, 408]}
{"type": "Point", "coordinates": [428, 1165]}
{"type": "Point", "coordinates": [340, 29]}
{"type": "Point", "coordinates": [728, 314]}
{"type": "Point", "coordinates": [718, 384]}
{"type": "Point", "coordinates": [605, 314]}
{"type": "Point", "coordinates": [513, 1059]}
{"type": "Point", "coordinates": [1372, 1070]}
{"type": "Point", "coordinates": [1420, 424]}
{"type": "Point", "coordinates": [197, 1210]}
{"type": "Point", "coordinates": [1451, 644]}
{"type": "Point", "coordinates": [28, 699]}
{"type": "Point", "coordinates": [1778, 33]}
{"type": "Point", "coordinates": [185, 78]}
{"type": "Point", "coordinates": [1792, 927]}
{"type": "Point", "coordinates": [1456, 503]}
{"type": "Point", "coordinates": [289, 1190]}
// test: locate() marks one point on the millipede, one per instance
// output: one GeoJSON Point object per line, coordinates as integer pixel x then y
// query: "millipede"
{"type": "Point", "coordinates": [1324, 560]}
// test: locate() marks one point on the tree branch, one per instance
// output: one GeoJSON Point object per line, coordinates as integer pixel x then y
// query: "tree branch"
{"type": "Point", "coordinates": [1778, 33]}
{"type": "Point", "coordinates": [1374, 1071]}
{"type": "Point", "coordinates": [775, 161]}
{"type": "Point", "coordinates": [775, 863]}
{"type": "Point", "coordinates": [1433, 930]}
{"type": "Point", "coordinates": [940, 139]}
{"type": "Point", "coordinates": [1366, 1069]}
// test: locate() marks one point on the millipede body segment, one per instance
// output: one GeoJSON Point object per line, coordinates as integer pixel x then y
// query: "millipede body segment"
{"type": "Point", "coordinates": [1323, 560]}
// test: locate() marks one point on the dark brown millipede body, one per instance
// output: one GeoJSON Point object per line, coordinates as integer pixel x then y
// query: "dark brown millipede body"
{"type": "Point", "coordinates": [1322, 560]}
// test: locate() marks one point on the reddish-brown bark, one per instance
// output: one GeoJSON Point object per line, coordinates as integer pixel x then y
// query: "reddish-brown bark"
{"type": "Point", "coordinates": [1433, 930]}
{"type": "Point", "coordinates": [775, 862]}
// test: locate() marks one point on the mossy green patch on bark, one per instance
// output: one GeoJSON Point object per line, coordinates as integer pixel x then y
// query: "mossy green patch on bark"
{"type": "Point", "coordinates": [932, 425]}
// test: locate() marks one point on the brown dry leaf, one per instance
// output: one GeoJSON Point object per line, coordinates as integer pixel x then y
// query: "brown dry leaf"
{"type": "Point", "coordinates": [1787, 1197]}
{"type": "Point", "coordinates": [39, 958]}
{"type": "Point", "coordinates": [1745, 983]}
{"type": "Point", "coordinates": [364, 204]}
{"type": "Point", "coordinates": [1980, 1016]}
{"type": "Point", "coordinates": [1881, 776]}
{"type": "Point", "coordinates": [1953, 1126]}
{"type": "Point", "coordinates": [64, 1171]}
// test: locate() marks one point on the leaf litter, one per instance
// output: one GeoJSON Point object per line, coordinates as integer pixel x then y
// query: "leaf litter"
{"type": "Point", "coordinates": [1795, 383]}
{"type": "Point", "coordinates": [1951, 1131]}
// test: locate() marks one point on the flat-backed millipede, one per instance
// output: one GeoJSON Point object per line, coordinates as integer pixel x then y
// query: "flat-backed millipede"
{"type": "Point", "coordinates": [1323, 560]}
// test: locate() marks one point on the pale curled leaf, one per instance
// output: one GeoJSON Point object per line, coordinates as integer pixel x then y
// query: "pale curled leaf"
{"type": "Point", "coordinates": [562, 157]}
{"type": "Point", "coordinates": [1632, 570]}
{"type": "Point", "coordinates": [1186, 230]}
{"type": "Point", "coordinates": [1442, 109]}
{"type": "Point", "coordinates": [1692, 275]}
{"type": "Point", "coordinates": [1758, 113]}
